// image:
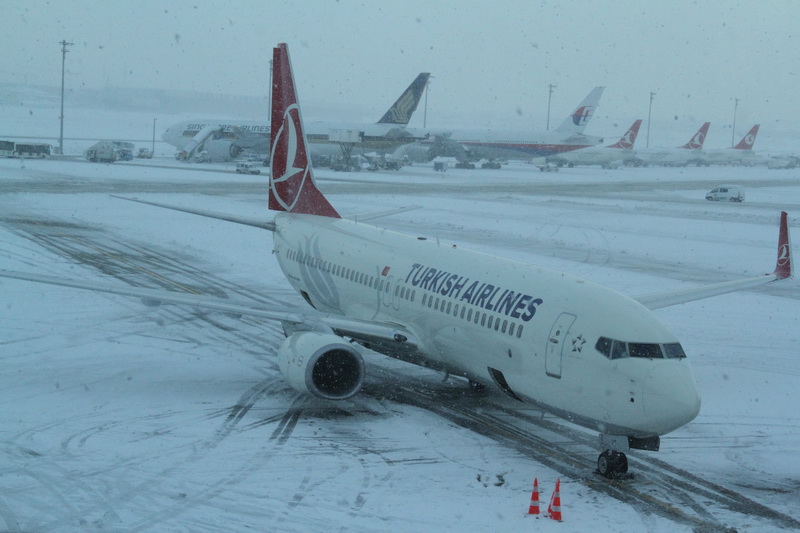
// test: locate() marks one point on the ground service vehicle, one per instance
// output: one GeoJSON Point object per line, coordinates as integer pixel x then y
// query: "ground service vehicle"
{"type": "Point", "coordinates": [726, 193]}
{"type": "Point", "coordinates": [246, 168]}
{"type": "Point", "coordinates": [32, 150]}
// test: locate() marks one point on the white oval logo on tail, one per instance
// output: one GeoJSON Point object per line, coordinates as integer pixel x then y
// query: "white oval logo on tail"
{"type": "Point", "coordinates": [783, 255]}
{"type": "Point", "coordinates": [289, 160]}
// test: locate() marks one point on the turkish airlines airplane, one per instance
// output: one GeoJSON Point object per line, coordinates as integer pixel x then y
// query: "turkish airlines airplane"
{"type": "Point", "coordinates": [225, 141]}
{"type": "Point", "coordinates": [691, 152]}
{"type": "Point", "coordinates": [547, 339]}
{"type": "Point", "coordinates": [741, 154]}
{"type": "Point", "coordinates": [606, 156]}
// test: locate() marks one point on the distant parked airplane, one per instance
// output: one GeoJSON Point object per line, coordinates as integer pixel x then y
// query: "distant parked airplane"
{"type": "Point", "coordinates": [225, 140]}
{"type": "Point", "coordinates": [606, 156]}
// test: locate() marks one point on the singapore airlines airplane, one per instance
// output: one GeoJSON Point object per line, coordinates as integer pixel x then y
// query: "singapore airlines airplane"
{"type": "Point", "coordinates": [225, 141]}
{"type": "Point", "coordinates": [547, 339]}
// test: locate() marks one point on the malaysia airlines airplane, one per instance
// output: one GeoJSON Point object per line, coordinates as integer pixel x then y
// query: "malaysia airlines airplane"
{"type": "Point", "coordinates": [606, 156]}
{"type": "Point", "coordinates": [741, 154]}
{"type": "Point", "coordinates": [547, 339]}
{"type": "Point", "coordinates": [225, 141]}
{"type": "Point", "coordinates": [680, 156]}
{"type": "Point", "coordinates": [492, 144]}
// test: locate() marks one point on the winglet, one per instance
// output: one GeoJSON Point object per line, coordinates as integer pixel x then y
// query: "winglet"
{"type": "Point", "coordinates": [291, 181]}
{"type": "Point", "coordinates": [783, 267]}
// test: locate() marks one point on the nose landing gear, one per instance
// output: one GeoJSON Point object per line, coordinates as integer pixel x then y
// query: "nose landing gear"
{"type": "Point", "coordinates": [612, 464]}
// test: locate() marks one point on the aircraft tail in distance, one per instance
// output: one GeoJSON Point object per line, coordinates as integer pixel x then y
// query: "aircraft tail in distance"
{"type": "Point", "coordinates": [697, 140]}
{"type": "Point", "coordinates": [291, 180]}
{"type": "Point", "coordinates": [627, 141]}
{"type": "Point", "coordinates": [749, 139]}
{"type": "Point", "coordinates": [576, 122]}
{"type": "Point", "coordinates": [401, 111]}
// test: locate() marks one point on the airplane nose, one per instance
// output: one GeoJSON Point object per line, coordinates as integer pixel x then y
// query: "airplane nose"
{"type": "Point", "coordinates": [671, 397]}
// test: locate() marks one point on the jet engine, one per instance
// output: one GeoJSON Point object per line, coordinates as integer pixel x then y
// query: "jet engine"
{"type": "Point", "coordinates": [321, 364]}
{"type": "Point", "coordinates": [222, 150]}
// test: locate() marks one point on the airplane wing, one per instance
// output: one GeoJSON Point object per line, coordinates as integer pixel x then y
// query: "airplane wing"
{"type": "Point", "coordinates": [391, 336]}
{"type": "Point", "coordinates": [247, 221]}
{"type": "Point", "coordinates": [783, 270]}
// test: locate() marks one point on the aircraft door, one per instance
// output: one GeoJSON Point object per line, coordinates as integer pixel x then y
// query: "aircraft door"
{"type": "Point", "coordinates": [555, 344]}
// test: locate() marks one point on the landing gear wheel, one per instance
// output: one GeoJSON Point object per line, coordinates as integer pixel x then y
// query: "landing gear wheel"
{"type": "Point", "coordinates": [612, 464]}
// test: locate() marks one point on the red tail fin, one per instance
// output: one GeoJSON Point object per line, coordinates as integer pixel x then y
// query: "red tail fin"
{"type": "Point", "coordinates": [627, 140]}
{"type": "Point", "coordinates": [697, 140]}
{"type": "Point", "coordinates": [748, 140]}
{"type": "Point", "coordinates": [783, 268]}
{"type": "Point", "coordinates": [291, 181]}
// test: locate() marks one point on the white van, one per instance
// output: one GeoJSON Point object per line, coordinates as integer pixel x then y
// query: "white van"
{"type": "Point", "coordinates": [726, 193]}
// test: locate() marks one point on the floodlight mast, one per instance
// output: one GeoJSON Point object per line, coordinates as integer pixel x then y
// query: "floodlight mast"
{"type": "Point", "coordinates": [64, 45]}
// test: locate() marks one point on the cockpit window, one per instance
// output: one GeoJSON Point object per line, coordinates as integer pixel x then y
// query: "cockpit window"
{"type": "Point", "coordinates": [619, 350]}
{"type": "Point", "coordinates": [614, 349]}
{"type": "Point", "coordinates": [650, 351]}
{"type": "Point", "coordinates": [603, 346]}
{"type": "Point", "coordinates": [674, 351]}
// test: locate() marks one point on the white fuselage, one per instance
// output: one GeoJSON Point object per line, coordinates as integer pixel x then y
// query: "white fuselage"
{"type": "Point", "coordinates": [596, 155]}
{"type": "Point", "coordinates": [731, 156]}
{"type": "Point", "coordinates": [530, 330]}
{"type": "Point", "coordinates": [666, 156]}
{"type": "Point", "coordinates": [377, 136]}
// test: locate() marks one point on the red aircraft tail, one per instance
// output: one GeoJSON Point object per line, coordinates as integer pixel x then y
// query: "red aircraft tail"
{"type": "Point", "coordinates": [627, 141]}
{"type": "Point", "coordinates": [748, 140]}
{"type": "Point", "coordinates": [783, 267]}
{"type": "Point", "coordinates": [291, 181]}
{"type": "Point", "coordinates": [697, 140]}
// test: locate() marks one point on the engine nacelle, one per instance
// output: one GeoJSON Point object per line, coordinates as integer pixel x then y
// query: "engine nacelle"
{"type": "Point", "coordinates": [321, 364]}
{"type": "Point", "coordinates": [222, 150]}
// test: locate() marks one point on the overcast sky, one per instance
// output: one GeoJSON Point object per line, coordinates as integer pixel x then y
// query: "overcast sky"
{"type": "Point", "coordinates": [490, 60]}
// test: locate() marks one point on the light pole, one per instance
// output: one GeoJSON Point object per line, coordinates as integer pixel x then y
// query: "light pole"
{"type": "Point", "coordinates": [64, 45]}
{"type": "Point", "coordinates": [649, 112]}
{"type": "Point", "coordinates": [549, 98]}
{"type": "Point", "coordinates": [153, 151]}
{"type": "Point", "coordinates": [733, 130]}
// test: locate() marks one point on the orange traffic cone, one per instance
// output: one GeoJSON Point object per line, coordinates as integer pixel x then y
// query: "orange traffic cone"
{"type": "Point", "coordinates": [554, 509]}
{"type": "Point", "coordinates": [534, 508]}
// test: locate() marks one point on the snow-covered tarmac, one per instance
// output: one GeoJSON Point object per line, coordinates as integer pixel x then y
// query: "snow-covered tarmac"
{"type": "Point", "coordinates": [118, 416]}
